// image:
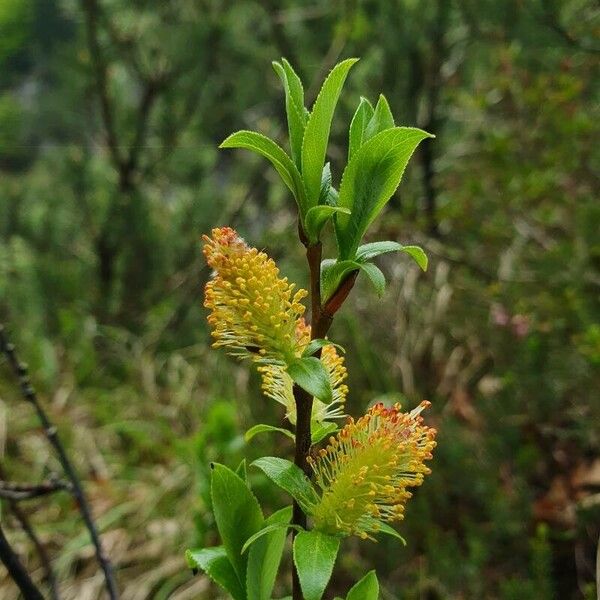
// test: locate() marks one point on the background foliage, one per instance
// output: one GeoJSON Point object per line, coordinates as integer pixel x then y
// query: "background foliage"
{"type": "Point", "coordinates": [110, 116]}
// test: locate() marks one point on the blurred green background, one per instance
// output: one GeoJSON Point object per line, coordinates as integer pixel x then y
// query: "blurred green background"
{"type": "Point", "coordinates": [110, 116]}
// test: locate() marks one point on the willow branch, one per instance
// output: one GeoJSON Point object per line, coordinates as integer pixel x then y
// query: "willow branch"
{"type": "Point", "coordinates": [10, 490]}
{"type": "Point", "coordinates": [321, 319]}
{"type": "Point", "coordinates": [20, 371]}
{"type": "Point", "coordinates": [17, 571]}
{"type": "Point", "coordinates": [49, 575]}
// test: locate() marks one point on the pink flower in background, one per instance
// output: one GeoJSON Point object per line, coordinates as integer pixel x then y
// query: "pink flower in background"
{"type": "Point", "coordinates": [520, 325]}
{"type": "Point", "coordinates": [500, 315]}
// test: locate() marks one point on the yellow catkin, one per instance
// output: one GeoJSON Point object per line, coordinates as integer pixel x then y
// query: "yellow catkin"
{"type": "Point", "coordinates": [256, 314]}
{"type": "Point", "coordinates": [365, 472]}
{"type": "Point", "coordinates": [253, 311]}
{"type": "Point", "coordinates": [278, 385]}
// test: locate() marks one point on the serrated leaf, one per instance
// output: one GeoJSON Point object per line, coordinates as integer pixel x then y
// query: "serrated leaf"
{"type": "Point", "coordinates": [264, 428]}
{"type": "Point", "coordinates": [296, 88]}
{"type": "Point", "coordinates": [358, 125]}
{"type": "Point", "coordinates": [369, 181]}
{"type": "Point", "coordinates": [311, 375]}
{"type": "Point", "coordinates": [317, 216]}
{"type": "Point", "coordinates": [388, 530]}
{"type": "Point", "coordinates": [294, 107]}
{"type": "Point", "coordinates": [321, 430]}
{"type": "Point", "coordinates": [318, 343]}
{"type": "Point", "coordinates": [381, 120]}
{"type": "Point", "coordinates": [369, 251]}
{"type": "Point", "coordinates": [376, 277]}
{"type": "Point", "coordinates": [366, 589]}
{"type": "Point", "coordinates": [288, 477]}
{"type": "Point", "coordinates": [333, 273]}
{"type": "Point", "coordinates": [237, 514]}
{"type": "Point", "coordinates": [326, 180]}
{"type": "Point", "coordinates": [214, 562]}
{"type": "Point", "coordinates": [316, 134]}
{"type": "Point", "coordinates": [265, 555]}
{"type": "Point", "coordinates": [261, 144]}
{"type": "Point", "coordinates": [314, 557]}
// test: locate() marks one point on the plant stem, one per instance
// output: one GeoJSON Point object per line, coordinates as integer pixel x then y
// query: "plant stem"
{"type": "Point", "coordinates": [320, 323]}
{"type": "Point", "coordinates": [321, 318]}
{"type": "Point", "coordinates": [51, 433]}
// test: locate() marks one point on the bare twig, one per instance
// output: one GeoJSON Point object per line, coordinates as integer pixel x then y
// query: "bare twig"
{"type": "Point", "coordinates": [23, 520]}
{"type": "Point", "coordinates": [100, 71]}
{"type": "Point", "coordinates": [147, 102]}
{"type": "Point", "coordinates": [20, 371]}
{"type": "Point", "coordinates": [10, 490]}
{"type": "Point", "coordinates": [17, 571]}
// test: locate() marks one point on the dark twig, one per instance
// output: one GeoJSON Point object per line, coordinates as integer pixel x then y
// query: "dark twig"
{"type": "Point", "coordinates": [17, 571]}
{"type": "Point", "coordinates": [25, 491]}
{"type": "Point", "coordinates": [20, 371]}
{"type": "Point", "coordinates": [90, 9]}
{"type": "Point", "coordinates": [23, 520]}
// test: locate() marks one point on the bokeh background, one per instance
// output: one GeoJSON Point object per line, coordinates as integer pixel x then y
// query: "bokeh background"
{"type": "Point", "coordinates": [110, 116]}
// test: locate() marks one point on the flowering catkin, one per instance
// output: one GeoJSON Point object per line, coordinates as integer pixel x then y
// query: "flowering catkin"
{"type": "Point", "coordinates": [256, 314]}
{"type": "Point", "coordinates": [253, 310]}
{"type": "Point", "coordinates": [278, 385]}
{"type": "Point", "coordinates": [364, 474]}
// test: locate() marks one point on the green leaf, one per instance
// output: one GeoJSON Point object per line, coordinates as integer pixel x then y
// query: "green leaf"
{"type": "Point", "coordinates": [294, 107]}
{"type": "Point", "coordinates": [314, 557]}
{"type": "Point", "coordinates": [382, 119]}
{"type": "Point", "coordinates": [311, 375]}
{"type": "Point", "coordinates": [388, 530]}
{"type": "Point", "coordinates": [326, 181]}
{"type": "Point", "coordinates": [214, 562]}
{"type": "Point", "coordinates": [376, 277]}
{"type": "Point", "coordinates": [288, 477]}
{"type": "Point", "coordinates": [237, 514]}
{"type": "Point", "coordinates": [265, 531]}
{"type": "Point", "coordinates": [296, 89]}
{"type": "Point", "coordinates": [241, 470]}
{"type": "Point", "coordinates": [333, 274]}
{"type": "Point", "coordinates": [317, 216]}
{"type": "Point", "coordinates": [418, 255]}
{"type": "Point", "coordinates": [316, 134]}
{"type": "Point", "coordinates": [264, 428]}
{"type": "Point", "coordinates": [261, 144]}
{"type": "Point", "coordinates": [316, 344]}
{"type": "Point", "coordinates": [368, 251]}
{"type": "Point", "coordinates": [369, 181]}
{"type": "Point", "coordinates": [265, 556]}
{"type": "Point", "coordinates": [366, 589]}
{"type": "Point", "coordinates": [321, 430]}
{"type": "Point", "coordinates": [358, 125]}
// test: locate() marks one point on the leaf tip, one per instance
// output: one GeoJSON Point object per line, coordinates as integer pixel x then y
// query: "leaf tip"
{"type": "Point", "coordinates": [226, 142]}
